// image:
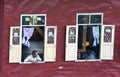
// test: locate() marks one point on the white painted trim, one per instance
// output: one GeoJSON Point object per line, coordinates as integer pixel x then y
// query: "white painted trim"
{"type": "Point", "coordinates": [89, 18]}
{"type": "Point", "coordinates": [33, 20]}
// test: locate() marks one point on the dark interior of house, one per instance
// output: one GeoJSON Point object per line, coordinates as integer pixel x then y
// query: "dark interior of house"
{"type": "Point", "coordinates": [86, 38]}
{"type": "Point", "coordinates": [36, 42]}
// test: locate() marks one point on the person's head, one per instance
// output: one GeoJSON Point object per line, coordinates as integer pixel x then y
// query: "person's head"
{"type": "Point", "coordinates": [88, 49]}
{"type": "Point", "coordinates": [34, 53]}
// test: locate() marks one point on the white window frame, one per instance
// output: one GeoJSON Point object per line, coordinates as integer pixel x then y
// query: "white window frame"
{"type": "Point", "coordinates": [89, 18]}
{"type": "Point", "coordinates": [33, 19]}
{"type": "Point", "coordinates": [77, 24]}
{"type": "Point", "coordinates": [45, 38]}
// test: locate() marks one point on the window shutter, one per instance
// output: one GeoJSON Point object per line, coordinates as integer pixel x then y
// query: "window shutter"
{"type": "Point", "coordinates": [50, 43]}
{"type": "Point", "coordinates": [15, 45]}
{"type": "Point", "coordinates": [71, 43]}
{"type": "Point", "coordinates": [107, 42]}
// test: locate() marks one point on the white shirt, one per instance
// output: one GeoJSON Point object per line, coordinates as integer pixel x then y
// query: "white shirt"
{"type": "Point", "coordinates": [30, 57]}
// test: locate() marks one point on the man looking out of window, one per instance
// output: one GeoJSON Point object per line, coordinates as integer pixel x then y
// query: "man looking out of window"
{"type": "Point", "coordinates": [33, 58]}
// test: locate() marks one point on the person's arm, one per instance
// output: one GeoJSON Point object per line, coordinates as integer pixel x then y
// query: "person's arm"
{"type": "Point", "coordinates": [28, 59]}
{"type": "Point", "coordinates": [38, 59]}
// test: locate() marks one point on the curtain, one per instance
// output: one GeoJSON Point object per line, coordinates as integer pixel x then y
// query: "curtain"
{"type": "Point", "coordinates": [95, 35]}
{"type": "Point", "coordinates": [27, 34]}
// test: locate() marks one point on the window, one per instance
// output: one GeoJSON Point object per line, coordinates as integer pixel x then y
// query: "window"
{"type": "Point", "coordinates": [89, 36]}
{"type": "Point", "coordinates": [33, 20]}
{"type": "Point", "coordinates": [94, 41]}
{"type": "Point", "coordinates": [33, 34]}
{"type": "Point", "coordinates": [89, 19]}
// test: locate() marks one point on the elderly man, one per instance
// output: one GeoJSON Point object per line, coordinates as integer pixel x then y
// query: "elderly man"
{"type": "Point", "coordinates": [33, 58]}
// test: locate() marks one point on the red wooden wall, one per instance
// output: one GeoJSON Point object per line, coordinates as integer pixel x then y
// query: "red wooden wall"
{"type": "Point", "coordinates": [59, 13]}
{"type": "Point", "coordinates": [1, 31]}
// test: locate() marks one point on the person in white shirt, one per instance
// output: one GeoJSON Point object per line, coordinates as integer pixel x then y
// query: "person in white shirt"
{"type": "Point", "coordinates": [33, 58]}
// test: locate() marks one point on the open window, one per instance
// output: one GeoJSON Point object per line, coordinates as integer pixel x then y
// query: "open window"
{"type": "Point", "coordinates": [40, 38]}
{"type": "Point", "coordinates": [33, 34]}
{"type": "Point", "coordinates": [32, 39]}
{"type": "Point", "coordinates": [88, 42]}
{"type": "Point", "coordinates": [89, 35]}
{"type": "Point", "coordinates": [27, 38]}
{"type": "Point", "coordinates": [94, 41]}
{"type": "Point", "coordinates": [71, 43]}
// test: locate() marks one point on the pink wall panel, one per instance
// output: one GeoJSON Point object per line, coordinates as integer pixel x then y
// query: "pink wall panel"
{"type": "Point", "coordinates": [61, 13]}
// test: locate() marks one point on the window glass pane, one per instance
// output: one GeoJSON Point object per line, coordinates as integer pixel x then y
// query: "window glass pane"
{"type": "Point", "coordinates": [15, 39]}
{"type": "Point", "coordinates": [72, 33]}
{"type": "Point", "coordinates": [95, 19]}
{"type": "Point", "coordinates": [27, 20]}
{"type": "Point", "coordinates": [83, 19]}
{"type": "Point", "coordinates": [71, 39]}
{"type": "Point", "coordinates": [107, 34]}
{"type": "Point", "coordinates": [50, 36]}
{"type": "Point", "coordinates": [32, 39]}
{"type": "Point", "coordinates": [39, 20]}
